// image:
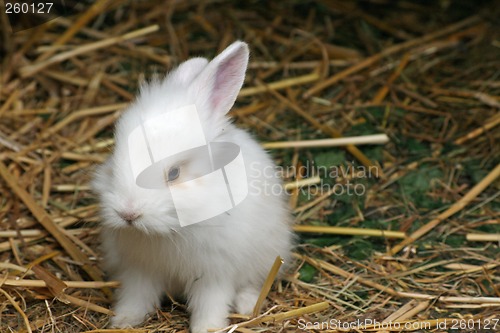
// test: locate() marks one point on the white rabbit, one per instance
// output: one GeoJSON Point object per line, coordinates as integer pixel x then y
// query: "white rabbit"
{"type": "Point", "coordinates": [217, 265]}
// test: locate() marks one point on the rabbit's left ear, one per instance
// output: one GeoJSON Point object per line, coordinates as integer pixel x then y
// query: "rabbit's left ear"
{"type": "Point", "coordinates": [188, 70]}
{"type": "Point", "coordinates": [221, 80]}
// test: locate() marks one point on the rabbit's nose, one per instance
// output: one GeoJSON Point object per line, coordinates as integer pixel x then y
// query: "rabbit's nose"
{"type": "Point", "coordinates": [128, 216]}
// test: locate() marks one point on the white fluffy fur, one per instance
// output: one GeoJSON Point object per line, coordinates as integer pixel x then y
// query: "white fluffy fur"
{"type": "Point", "coordinates": [217, 265]}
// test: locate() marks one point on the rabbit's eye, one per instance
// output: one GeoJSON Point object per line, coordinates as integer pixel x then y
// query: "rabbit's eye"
{"type": "Point", "coordinates": [173, 173]}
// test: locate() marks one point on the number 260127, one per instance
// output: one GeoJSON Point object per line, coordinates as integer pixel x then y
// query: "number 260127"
{"type": "Point", "coordinates": [25, 8]}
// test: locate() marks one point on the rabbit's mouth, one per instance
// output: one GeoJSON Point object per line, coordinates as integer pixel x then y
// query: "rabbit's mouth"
{"type": "Point", "coordinates": [128, 216]}
{"type": "Point", "coordinates": [167, 224]}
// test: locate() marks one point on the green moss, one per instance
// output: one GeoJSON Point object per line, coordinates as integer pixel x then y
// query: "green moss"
{"type": "Point", "coordinates": [330, 158]}
{"type": "Point", "coordinates": [455, 241]}
{"type": "Point", "coordinates": [359, 249]}
{"type": "Point", "coordinates": [416, 184]}
{"type": "Point", "coordinates": [307, 273]}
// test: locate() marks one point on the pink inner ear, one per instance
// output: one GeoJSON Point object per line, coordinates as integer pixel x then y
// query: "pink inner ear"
{"type": "Point", "coordinates": [228, 80]}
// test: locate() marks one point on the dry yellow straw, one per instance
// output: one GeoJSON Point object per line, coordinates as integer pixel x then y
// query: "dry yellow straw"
{"type": "Point", "coordinates": [459, 205]}
{"type": "Point", "coordinates": [84, 304]}
{"type": "Point", "coordinates": [349, 231]}
{"type": "Point", "coordinates": [96, 9]}
{"type": "Point", "coordinates": [302, 182]}
{"type": "Point", "coordinates": [267, 285]}
{"type": "Point", "coordinates": [294, 313]}
{"type": "Point", "coordinates": [70, 284]}
{"type": "Point", "coordinates": [489, 124]}
{"type": "Point", "coordinates": [401, 312]}
{"type": "Point", "coordinates": [48, 223]}
{"type": "Point", "coordinates": [18, 308]}
{"type": "Point", "coordinates": [382, 93]}
{"type": "Point", "coordinates": [36, 67]}
{"type": "Point", "coordinates": [24, 233]}
{"type": "Point", "coordinates": [125, 330]}
{"type": "Point", "coordinates": [328, 130]}
{"type": "Point", "coordinates": [407, 311]}
{"type": "Point", "coordinates": [388, 52]}
{"type": "Point", "coordinates": [318, 263]}
{"type": "Point", "coordinates": [278, 317]}
{"type": "Point", "coordinates": [483, 237]}
{"type": "Point", "coordinates": [83, 114]}
{"type": "Point", "coordinates": [279, 84]}
{"type": "Point", "coordinates": [333, 142]}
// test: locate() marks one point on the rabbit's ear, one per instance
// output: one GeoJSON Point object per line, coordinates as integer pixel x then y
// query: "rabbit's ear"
{"type": "Point", "coordinates": [221, 80]}
{"type": "Point", "coordinates": [188, 70]}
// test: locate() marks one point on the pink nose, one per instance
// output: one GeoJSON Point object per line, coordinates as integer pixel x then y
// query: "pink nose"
{"type": "Point", "coordinates": [128, 216]}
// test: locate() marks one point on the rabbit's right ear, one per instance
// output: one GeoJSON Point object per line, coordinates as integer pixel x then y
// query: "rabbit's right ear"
{"type": "Point", "coordinates": [220, 81]}
{"type": "Point", "coordinates": [188, 70]}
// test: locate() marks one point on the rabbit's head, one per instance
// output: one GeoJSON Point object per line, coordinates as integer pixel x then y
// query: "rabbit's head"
{"type": "Point", "coordinates": [212, 88]}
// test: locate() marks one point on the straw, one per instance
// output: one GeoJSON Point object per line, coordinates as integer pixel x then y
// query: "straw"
{"type": "Point", "coordinates": [360, 140]}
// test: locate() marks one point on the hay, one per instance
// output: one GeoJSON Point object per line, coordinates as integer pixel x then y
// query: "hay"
{"type": "Point", "coordinates": [418, 250]}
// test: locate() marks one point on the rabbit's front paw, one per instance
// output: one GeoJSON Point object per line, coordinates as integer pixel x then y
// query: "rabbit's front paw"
{"type": "Point", "coordinates": [127, 318]}
{"type": "Point", "coordinates": [204, 326]}
{"type": "Point", "coordinates": [246, 299]}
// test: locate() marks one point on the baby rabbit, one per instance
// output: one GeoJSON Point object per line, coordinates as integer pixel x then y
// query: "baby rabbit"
{"type": "Point", "coordinates": [217, 265]}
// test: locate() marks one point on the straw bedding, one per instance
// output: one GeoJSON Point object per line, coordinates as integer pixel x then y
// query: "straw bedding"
{"type": "Point", "coordinates": [419, 240]}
